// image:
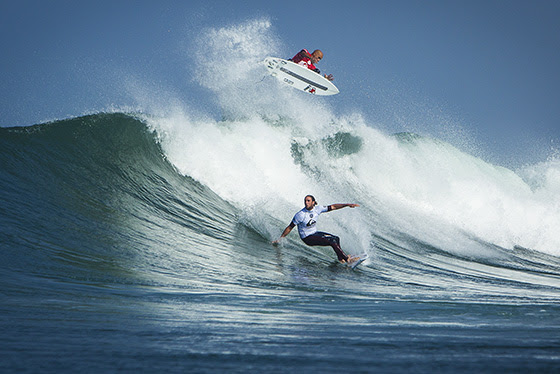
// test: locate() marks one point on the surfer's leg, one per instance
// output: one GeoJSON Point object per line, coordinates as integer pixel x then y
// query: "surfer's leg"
{"type": "Point", "coordinates": [324, 239]}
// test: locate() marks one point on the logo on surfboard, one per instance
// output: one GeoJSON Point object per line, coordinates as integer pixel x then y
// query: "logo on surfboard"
{"type": "Point", "coordinates": [310, 89]}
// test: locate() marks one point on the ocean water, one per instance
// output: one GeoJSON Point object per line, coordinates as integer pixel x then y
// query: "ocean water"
{"type": "Point", "coordinates": [141, 240]}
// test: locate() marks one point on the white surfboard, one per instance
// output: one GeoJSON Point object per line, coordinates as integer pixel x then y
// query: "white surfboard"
{"type": "Point", "coordinates": [300, 77]}
{"type": "Point", "coordinates": [361, 258]}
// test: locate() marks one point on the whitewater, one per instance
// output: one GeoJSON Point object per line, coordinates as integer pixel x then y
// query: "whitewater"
{"type": "Point", "coordinates": [140, 240]}
{"type": "Point", "coordinates": [282, 144]}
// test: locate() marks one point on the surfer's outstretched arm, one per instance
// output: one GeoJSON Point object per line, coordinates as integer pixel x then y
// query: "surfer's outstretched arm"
{"type": "Point", "coordinates": [340, 206]}
{"type": "Point", "coordinates": [286, 231]}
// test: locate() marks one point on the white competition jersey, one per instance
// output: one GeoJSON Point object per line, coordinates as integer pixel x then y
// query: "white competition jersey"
{"type": "Point", "coordinates": [306, 220]}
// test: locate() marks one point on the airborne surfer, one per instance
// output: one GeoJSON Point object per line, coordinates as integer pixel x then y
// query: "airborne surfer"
{"type": "Point", "coordinates": [306, 220]}
{"type": "Point", "coordinates": [309, 60]}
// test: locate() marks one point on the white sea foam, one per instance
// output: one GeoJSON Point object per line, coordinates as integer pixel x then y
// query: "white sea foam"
{"type": "Point", "coordinates": [270, 150]}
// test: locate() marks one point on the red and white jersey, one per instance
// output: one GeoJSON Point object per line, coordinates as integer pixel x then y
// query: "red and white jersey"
{"type": "Point", "coordinates": [301, 59]}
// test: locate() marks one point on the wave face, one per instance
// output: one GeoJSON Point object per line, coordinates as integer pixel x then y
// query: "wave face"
{"type": "Point", "coordinates": [141, 241]}
{"type": "Point", "coordinates": [104, 220]}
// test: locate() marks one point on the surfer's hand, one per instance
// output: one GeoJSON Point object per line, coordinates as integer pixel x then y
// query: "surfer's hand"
{"type": "Point", "coordinates": [329, 77]}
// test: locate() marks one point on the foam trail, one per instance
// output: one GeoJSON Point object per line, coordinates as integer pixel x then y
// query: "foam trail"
{"type": "Point", "coordinates": [229, 63]}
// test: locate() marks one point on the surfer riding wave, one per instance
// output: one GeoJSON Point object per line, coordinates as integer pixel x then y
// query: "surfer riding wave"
{"type": "Point", "coordinates": [306, 222]}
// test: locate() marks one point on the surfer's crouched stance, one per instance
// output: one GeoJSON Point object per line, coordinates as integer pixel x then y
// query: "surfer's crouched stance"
{"type": "Point", "coordinates": [306, 220]}
{"type": "Point", "coordinates": [309, 60]}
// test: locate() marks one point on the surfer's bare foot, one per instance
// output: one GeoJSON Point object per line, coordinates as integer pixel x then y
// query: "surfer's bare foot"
{"type": "Point", "coordinates": [349, 260]}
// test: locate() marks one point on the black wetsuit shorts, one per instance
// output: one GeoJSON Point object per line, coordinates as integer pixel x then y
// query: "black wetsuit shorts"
{"type": "Point", "coordinates": [324, 239]}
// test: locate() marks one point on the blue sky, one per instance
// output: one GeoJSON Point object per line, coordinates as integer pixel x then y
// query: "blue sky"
{"type": "Point", "coordinates": [489, 67]}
